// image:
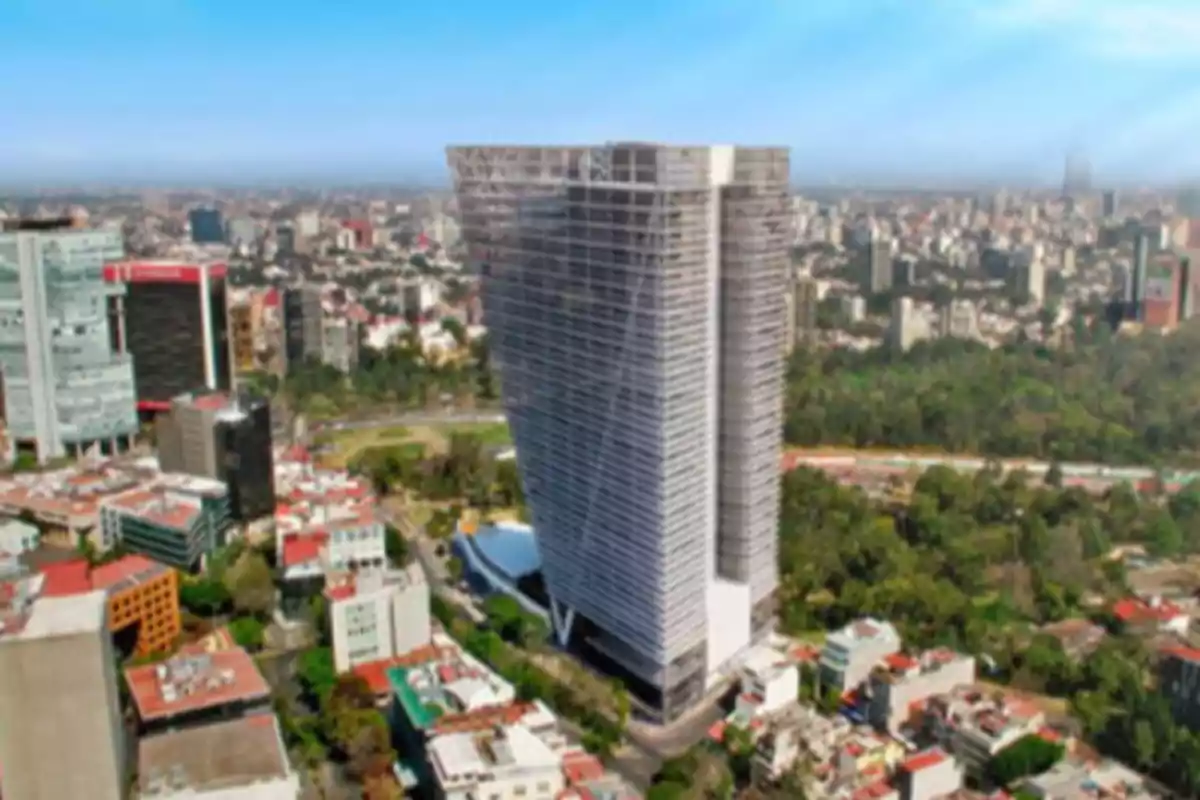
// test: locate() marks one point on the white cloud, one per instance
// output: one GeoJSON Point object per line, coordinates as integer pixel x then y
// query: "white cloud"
{"type": "Point", "coordinates": [1166, 30]}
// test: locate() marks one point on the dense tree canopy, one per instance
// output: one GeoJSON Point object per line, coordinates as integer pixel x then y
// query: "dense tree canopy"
{"type": "Point", "coordinates": [1105, 398]}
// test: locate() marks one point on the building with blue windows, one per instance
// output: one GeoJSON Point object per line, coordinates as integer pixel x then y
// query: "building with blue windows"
{"type": "Point", "coordinates": [208, 227]}
{"type": "Point", "coordinates": [67, 387]}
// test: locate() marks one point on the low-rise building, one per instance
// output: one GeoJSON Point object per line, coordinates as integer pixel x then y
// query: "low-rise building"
{"type": "Point", "coordinates": [507, 761]}
{"type": "Point", "coordinates": [835, 753]}
{"type": "Point", "coordinates": [1077, 637]}
{"type": "Point", "coordinates": [179, 520]}
{"type": "Point", "coordinates": [326, 521]}
{"type": "Point", "coordinates": [18, 537]}
{"type": "Point", "coordinates": [849, 655]}
{"type": "Point", "coordinates": [239, 759]}
{"type": "Point", "coordinates": [1077, 779]}
{"type": "Point", "coordinates": [376, 614]}
{"type": "Point", "coordinates": [974, 725]}
{"type": "Point", "coordinates": [1151, 615]}
{"type": "Point", "coordinates": [769, 682]}
{"type": "Point", "coordinates": [901, 681]}
{"type": "Point", "coordinates": [197, 689]}
{"type": "Point", "coordinates": [928, 775]}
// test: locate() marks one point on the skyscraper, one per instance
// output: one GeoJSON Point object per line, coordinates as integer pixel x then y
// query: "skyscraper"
{"type": "Point", "coordinates": [65, 388]}
{"type": "Point", "coordinates": [635, 298]}
{"type": "Point", "coordinates": [879, 260]}
{"type": "Point", "coordinates": [175, 327]}
{"type": "Point", "coordinates": [208, 226]}
{"type": "Point", "coordinates": [303, 331]}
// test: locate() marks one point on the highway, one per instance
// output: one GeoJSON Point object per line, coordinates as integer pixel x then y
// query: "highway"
{"type": "Point", "coordinates": [414, 418]}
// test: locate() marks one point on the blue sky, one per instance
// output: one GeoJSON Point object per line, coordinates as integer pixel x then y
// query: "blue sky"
{"type": "Point", "coordinates": [374, 89]}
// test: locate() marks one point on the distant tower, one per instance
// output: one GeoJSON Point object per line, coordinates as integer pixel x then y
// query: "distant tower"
{"type": "Point", "coordinates": [1111, 203]}
{"type": "Point", "coordinates": [1141, 259]}
{"type": "Point", "coordinates": [879, 254]}
{"type": "Point", "coordinates": [1077, 176]}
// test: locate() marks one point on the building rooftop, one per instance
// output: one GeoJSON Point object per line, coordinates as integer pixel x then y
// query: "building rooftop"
{"type": "Point", "coordinates": [186, 684]}
{"type": "Point", "coordinates": [863, 631]}
{"type": "Point", "coordinates": [347, 585]}
{"type": "Point", "coordinates": [488, 754]}
{"type": "Point", "coordinates": [1134, 610]}
{"type": "Point", "coordinates": [76, 576]}
{"type": "Point", "coordinates": [34, 617]}
{"type": "Point", "coordinates": [1086, 780]}
{"type": "Point", "coordinates": [898, 667]}
{"type": "Point", "coordinates": [454, 689]}
{"type": "Point", "coordinates": [159, 506]}
{"type": "Point", "coordinates": [208, 758]}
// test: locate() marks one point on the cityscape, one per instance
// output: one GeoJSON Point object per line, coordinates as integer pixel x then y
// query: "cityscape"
{"type": "Point", "coordinates": [737, 462]}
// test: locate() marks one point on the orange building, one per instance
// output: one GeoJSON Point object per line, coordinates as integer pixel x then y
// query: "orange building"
{"type": "Point", "coordinates": [143, 599]}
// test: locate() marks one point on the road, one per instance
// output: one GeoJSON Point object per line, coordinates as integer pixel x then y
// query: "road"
{"type": "Point", "coordinates": [414, 418]}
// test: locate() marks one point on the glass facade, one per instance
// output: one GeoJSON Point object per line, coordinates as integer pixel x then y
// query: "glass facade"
{"type": "Point", "coordinates": [64, 384]}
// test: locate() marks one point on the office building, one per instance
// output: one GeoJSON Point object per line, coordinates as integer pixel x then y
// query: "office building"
{"type": "Point", "coordinates": [208, 226]}
{"type": "Point", "coordinates": [303, 330]}
{"type": "Point", "coordinates": [906, 326]}
{"type": "Point", "coordinates": [175, 327]}
{"type": "Point", "coordinates": [63, 735]}
{"type": "Point", "coordinates": [178, 521]}
{"type": "Point", "coordinates": [634, 297]}
{"type": "Point", "coordinates": [65, 388]}
{"type": "Point", "coordinates": [227, 438]}
{"type": "Point", "coordinates": [879, 258]}
{"type": "Point", "coordinates": [1109, 204]}
{"type": "Point", "coordinates": [242, 232]}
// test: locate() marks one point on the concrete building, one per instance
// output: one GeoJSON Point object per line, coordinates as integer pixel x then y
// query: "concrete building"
{"type": "Point", "coordinates": [505, 762]}
{"type": "Point", "coordinates": [195, 689]}
{"type": "Point", "coordinates": [805, 298]}
{"type": "Point", "coordinates": [928, 775]}
{"type": "Point", "coordinates": [906, 326]}
{"type": "Point", "coordinates": [18, 536]}
{"type": "Point", "coordinates": [975, 725]}
{"type": "Point", "coordinates": [63, 735]}
{"type": "Point", "coordinates": [65, 389]}
{"type": "Point", "coordinates": [375, 615]}
{"type": "Point", "coordinates": [1080, 779]}
{"type": "Point", "coordinates": [634, 297]}
{"type": "Point", "coordinates": [226, 438]}
{"type": "Point", "coordinates": [341, 343]}
{"type": "Point", "coordinates": [303, 332]}
{"type": "Point", "coordinates": [239, 759]}
{"type": "Point", "coordinates": [902, 680]}
{"type": "Point", "coordinates": [179, 522]}
{"type": "Point", "coordinates": [880, 249]}
{"type": "Point", "coordinates": [849, 655]}
{"type": "Point", "coordinates": [959, 319]}
{"type": "Point", "coordinates": [207, 226]}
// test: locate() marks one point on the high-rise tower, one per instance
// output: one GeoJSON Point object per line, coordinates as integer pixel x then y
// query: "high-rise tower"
{"type": "Point", "coordinates": [634, 294]}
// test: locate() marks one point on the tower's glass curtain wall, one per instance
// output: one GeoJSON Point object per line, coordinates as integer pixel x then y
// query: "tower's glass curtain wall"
{"type": "Point", "coordinates": [634, 296]}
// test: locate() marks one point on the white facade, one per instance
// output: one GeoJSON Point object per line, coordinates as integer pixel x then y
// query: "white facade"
{"type": "Point", "coordinates": [509, 764]}
{"type": "Point", "coordinates": [850, 654]}
{"type": "Point", "coordinates": [902, 681]}
{"type": "Point", "coordinates": [375, 616]}
{"type": "Point", "coordinates": [17, 537]}
{"type": "Point", "coordinates": [770, 680]}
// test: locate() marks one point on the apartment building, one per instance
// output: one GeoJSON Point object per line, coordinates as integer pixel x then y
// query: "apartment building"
{"type": "Point", "coordinates": [902, 680]}
{"type": "Point", "coordinates": [56, 658]}
{"type": "Point", "coordinates": [849, 655]}
{"type": "Point", "coordinates": [377, 614]}
{"type": "Point", "coordinates": [1179, 682]}
{"type": "Point", "coordinates": [634, 297]}
{"type": "Point", "coordinates": [189, 690]}
{"type": "Point", "coordinates": [928, 775]}
{"type": "Point", "coordinates": [1077, 779]}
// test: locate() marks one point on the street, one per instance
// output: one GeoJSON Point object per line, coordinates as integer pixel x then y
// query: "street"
{"type": "Point", "coordinates": [415, 418]}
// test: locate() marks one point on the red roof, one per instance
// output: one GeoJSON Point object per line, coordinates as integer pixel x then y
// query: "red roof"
{"type": "Point", "coordinates": [302, 549]}
{"type": "Point", "coordinates": [66, 578]}
{"type": "Point", "coordinates": [900, 661]}
{"type": "Point", "coordinates": [1185, 653]}
{"type": "Point", "coordinates": [717, 731]}
{"type": "Point", "coordinates": [220, 679]}
{"type": "Point", "coordinates": [130, 568]}
{"type": "Point", "coordinates": [580, 767]}
{"type": "Point", "coordinates": [1135, 609]}
{"type": "Point", "coordinates": [923, 760]}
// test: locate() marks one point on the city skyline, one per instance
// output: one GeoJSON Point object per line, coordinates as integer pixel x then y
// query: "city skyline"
{"type": "Point", "coordinates": [859, 90]}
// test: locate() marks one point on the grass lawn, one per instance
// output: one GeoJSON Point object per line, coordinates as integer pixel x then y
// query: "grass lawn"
{"type": "Point", "coordinates": [345, 445]}
{"type": "Point", "coordinates": [490, 433]}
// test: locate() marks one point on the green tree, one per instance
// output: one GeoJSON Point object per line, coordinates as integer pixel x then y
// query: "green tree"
{"type": "Point", "coordinates": [397, 547]}
{"type": "Point", "coordinates": [247, 632]}
{"type": "Point", "coordinates": [1030, 755]}
{"type": "Point", "coordinates": [316, 673]}
{"type": "Point", "coordinates": [251, 584]}
{"type": "Point", "coordinates": [204, 596]}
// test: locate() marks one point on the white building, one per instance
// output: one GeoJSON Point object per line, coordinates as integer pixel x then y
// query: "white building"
{"type": "Point", "coordinates": [375, 615]}
{"type": "Point", "coordinates": [902, 680]}
{"type": "Point", "coordinates": [850, 654]}
{"type": "Point", "coordinates": [509, 762]}
{"type": "Point", "coordinates": [769, 682]}
{"type": "Point", "coordinates": [17, 537]}
{"type": "Point", "coordinates": [927, 775]}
